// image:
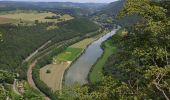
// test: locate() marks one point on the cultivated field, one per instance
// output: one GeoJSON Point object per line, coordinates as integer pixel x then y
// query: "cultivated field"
{"type": "Point", "coordinates": [83, 44]}
{"type": "Point", "coordinates": [31, 16]}
{"type": "Point", "coordinates": [69, 54]}
{"type": "Point", "coordinates": [54, 77]}
{"type": "Point", "coordinates": [7, 20]}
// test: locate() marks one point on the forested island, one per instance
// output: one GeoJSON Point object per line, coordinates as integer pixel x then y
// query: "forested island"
{"type": "Point", "coordinates": [85, 51]}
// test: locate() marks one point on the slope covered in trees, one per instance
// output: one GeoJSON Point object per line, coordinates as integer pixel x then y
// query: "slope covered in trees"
{"type": "Point", "coordinates": [20, 41]}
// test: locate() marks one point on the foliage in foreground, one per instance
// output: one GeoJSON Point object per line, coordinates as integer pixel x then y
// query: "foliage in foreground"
{"type": "Point", "coordinates": [141, 68]}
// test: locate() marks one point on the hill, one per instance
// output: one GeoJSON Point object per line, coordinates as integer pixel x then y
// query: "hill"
{"type": "Point", "coordinates": [63, 7]}
{"type": "Point", "coordinates": [109, 14]}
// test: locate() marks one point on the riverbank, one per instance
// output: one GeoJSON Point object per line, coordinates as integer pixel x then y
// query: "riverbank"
{"type": "Point", "coordinates": [96, 72]}
{"type": "Point", "coordinates": [78, 71]}
{"type": "Point", "coordinates": [109, 47]}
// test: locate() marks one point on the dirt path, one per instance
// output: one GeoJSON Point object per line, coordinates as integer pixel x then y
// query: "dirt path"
{"type": "Point", "coordinates": [31, 81]}
{"type": "Point", "coordinates": [14, 87]}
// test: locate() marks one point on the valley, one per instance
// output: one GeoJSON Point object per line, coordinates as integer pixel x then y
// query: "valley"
{"type": "Point", "coordinates": [99, 50]}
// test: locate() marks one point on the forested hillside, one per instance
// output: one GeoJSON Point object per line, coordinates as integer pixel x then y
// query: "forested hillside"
{"type": "Point", "coordinates": [20, 41]}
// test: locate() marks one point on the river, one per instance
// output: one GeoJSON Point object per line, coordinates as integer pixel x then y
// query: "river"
{"type": "Point", "coordinates": [78, 71]}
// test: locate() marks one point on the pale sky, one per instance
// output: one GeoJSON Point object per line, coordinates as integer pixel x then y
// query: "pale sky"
{"type": "Point", "coordinates": [81, 1]}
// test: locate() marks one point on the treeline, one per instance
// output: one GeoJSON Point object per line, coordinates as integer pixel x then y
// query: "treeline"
{"type": "Point", "coordinates": [20, 41]}
{"type": "Point", "coordinates": [53, 17]}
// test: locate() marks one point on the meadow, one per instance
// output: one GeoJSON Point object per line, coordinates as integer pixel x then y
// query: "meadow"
{"type": "Point", "coordinates": [69, 54]}
{"type": "Point", "coordinates": [83, 44]}
{"type": "Point", "coordinates": [16, 17]}
{"type": "Point", "coordinates": [7, 20]}
{"type": "Point", "coordinates": [52, 74]}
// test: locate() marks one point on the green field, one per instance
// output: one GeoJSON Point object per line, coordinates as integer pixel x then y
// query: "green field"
{"type": "Point", "coordinates": [69, 54]}
{"type": "Point", "coordinates": [83, 44]}
{"type": "Point", "coordinates": [96, 73]}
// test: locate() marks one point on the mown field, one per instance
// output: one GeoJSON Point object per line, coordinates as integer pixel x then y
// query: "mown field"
{"type": "Point", "coordinates": [7, 20]}
{"type": "Point", "coordinates": [82, 44]}
{"type": "Point", "coordinates": [69, 54]}
{"type": "Point", "coordinates": [30, 17]}
{"type": "Point", "coordinates": [52, 74]}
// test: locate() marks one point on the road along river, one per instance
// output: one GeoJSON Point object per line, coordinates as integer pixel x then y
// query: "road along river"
{"type": "Point", "coordinates": [78, 71]}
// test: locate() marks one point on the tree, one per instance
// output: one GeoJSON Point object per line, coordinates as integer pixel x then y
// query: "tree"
{"type": "Point", "coordinates": [151, 40]}
{"type": "Point", "coordinates": [36, 22]}
{"type": "Point", "coordinates": [140, 70]}
{"type": "Point", "coordinates": [0, 36]}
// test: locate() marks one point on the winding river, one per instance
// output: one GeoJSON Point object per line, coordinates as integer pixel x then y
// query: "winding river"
{"type": "Point", "coordinates": [78, 71]}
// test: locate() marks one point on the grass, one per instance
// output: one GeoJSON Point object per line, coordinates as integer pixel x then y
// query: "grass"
{"type": "Point", "coordinates": [52, 27]}
{"type": "Point", "coordinates": [83, 44]}
{"type": "Point", "coordinates": [7, 20]}
{"type": "Point", "coordinates": [69, 54]}
{"type": "Point", "coordinates": [30, 16]}
{"type": "Point", "coordinates": [96, 73]}
{"type": "Point", "coordinates": [55, 77]}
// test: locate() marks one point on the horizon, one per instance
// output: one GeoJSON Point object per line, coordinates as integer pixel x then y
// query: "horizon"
{"type": "Point", "coordinates": [73, 1]}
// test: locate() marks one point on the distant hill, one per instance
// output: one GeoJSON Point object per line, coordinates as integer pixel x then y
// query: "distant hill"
{"type": "Point", "coordinates": [63, 7]}
{"type": "Point", "coordinates": [50, 4]}
{"type": "Point", "coordinates": [112, 10]}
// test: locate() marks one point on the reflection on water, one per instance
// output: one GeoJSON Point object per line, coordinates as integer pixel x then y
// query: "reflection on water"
{"type": "Point", "coordinates": [78, 71]}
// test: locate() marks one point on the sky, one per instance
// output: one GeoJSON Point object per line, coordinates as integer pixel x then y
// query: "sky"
{"type": "Point", "coordinates": [80, 1]}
